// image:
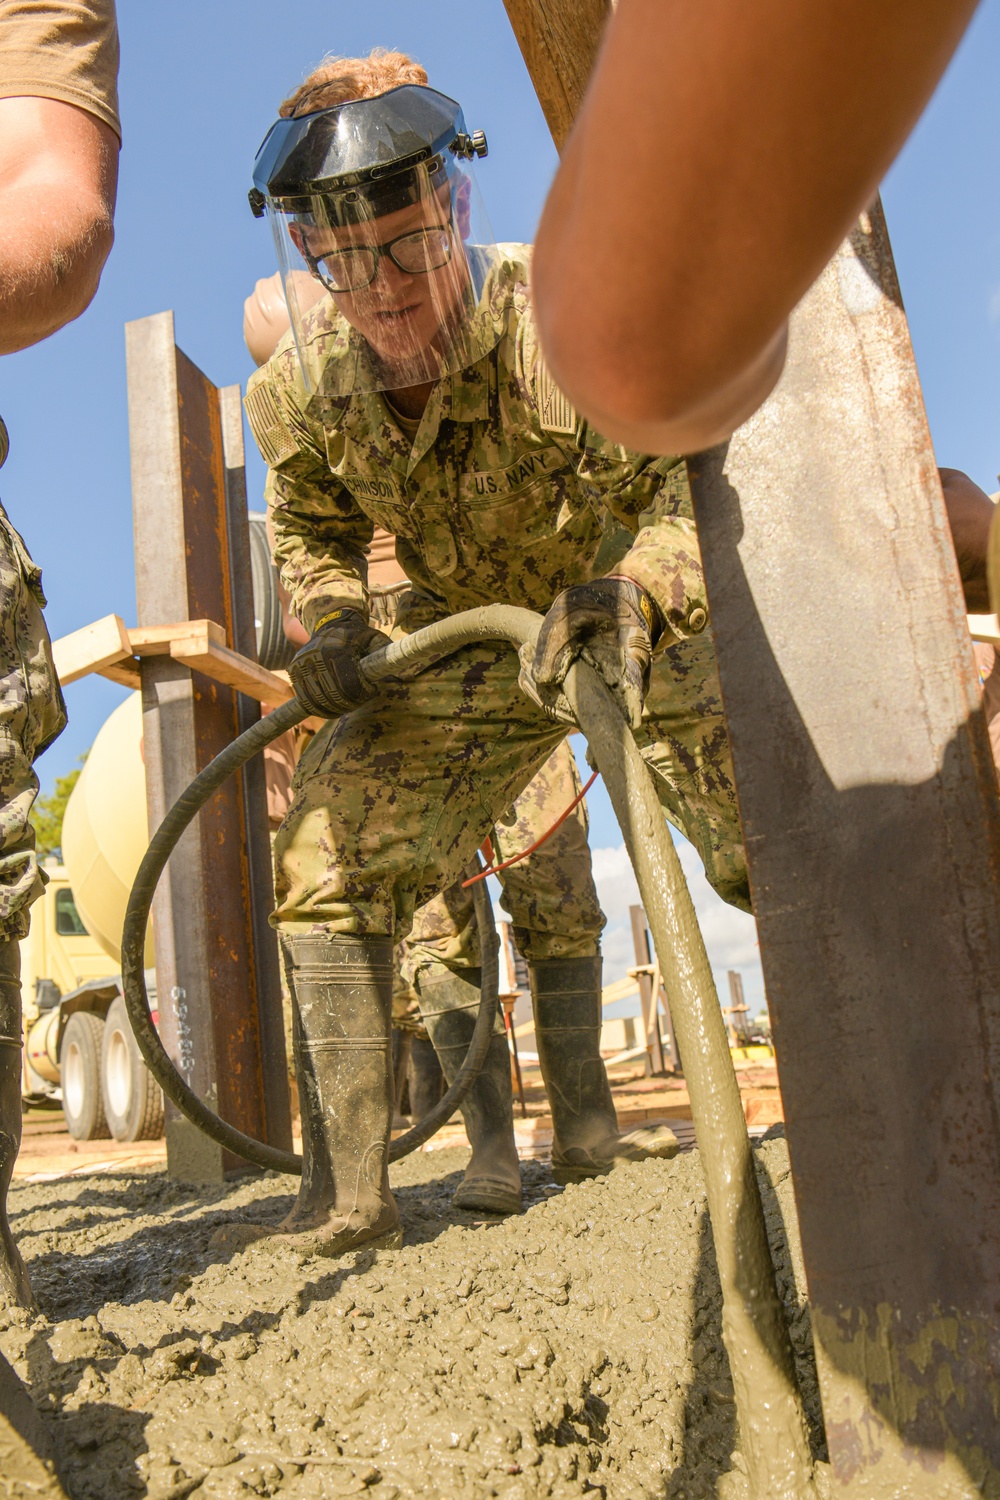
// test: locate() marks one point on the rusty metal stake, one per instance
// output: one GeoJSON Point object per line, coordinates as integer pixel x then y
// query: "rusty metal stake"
{"type": "Point", "coordinates": [216, 958]}
{"type": "Point", "coordinates": [869, 805]}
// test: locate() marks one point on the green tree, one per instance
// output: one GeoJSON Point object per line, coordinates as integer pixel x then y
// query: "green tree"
{"type": "Point", "coordinates": [49, 811]}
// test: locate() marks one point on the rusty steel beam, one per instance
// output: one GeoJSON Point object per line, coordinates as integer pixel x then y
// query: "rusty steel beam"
{"type": "Point", "coordinates": [869, 806]}
{"type": "Point", "coordinates": [869, 803]}
{"type": "Point", "coordinates": [260, 874]}
{"type": "Point", "coordinates": [559, 41]}
{"type": "Point", "coordinates": [216, 1015]}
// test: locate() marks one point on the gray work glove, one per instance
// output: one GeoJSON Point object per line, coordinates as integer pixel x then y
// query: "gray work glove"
{"type": "Point", "coordinates": [613, 625]}
{"type": "Point", "coordinates": [325, 672]}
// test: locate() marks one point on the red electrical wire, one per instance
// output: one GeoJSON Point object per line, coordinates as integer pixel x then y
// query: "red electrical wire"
{"type": "Point", "coordinates": [516, 858]}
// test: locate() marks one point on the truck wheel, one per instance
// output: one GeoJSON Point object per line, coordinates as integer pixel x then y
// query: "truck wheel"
{"type": "Point", "coordinates": [133, 1100]}
{"type": "Point", "coordinates": [80, 1074]}
{"type": "Point", "coordinates": [274, 649]}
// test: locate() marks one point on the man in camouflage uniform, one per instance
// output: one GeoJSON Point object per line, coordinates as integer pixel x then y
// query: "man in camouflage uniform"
{"type": "Point", "coordinates": [550, 894]}
{"type": "Point", "coordinates": [495, 490]}
{"type": "Point", "coordinates": [59, 136]}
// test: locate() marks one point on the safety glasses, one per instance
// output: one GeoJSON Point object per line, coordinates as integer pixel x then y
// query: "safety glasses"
{"type": "Point", "coordinates": [354, 267]}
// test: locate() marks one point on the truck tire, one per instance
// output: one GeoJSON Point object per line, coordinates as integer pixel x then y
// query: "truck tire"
{"type": "Point", "coordinates": [274, 649]}
{"type": "Point", "coordinates": [80, 1075]}
{"type": "Point", "coordinates": [133, 1100]}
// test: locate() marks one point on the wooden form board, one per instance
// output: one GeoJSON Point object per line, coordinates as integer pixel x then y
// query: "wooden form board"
{"type": "Point", "coordinates": [109, 648]}
{"type": "Point", "coordinates": [653, 998]}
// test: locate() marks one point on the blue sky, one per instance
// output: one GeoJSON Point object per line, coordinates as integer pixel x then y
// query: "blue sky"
{"type": "Point", "coordinates": [201, 83]}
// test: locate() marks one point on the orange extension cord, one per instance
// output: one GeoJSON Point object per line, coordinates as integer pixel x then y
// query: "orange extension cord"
{"type": "Point", "coordinates": [493, 869]}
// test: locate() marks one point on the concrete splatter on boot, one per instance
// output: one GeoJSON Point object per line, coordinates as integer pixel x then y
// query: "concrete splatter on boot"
{"type": "Point", "coordinates": [449, 1005]}
{"type": "Point", "coordinates": [566, 996]}
{"type": "Point", "coordinates": [341, 990]}
{"type": "Point", "coordinates": [15, 1288]}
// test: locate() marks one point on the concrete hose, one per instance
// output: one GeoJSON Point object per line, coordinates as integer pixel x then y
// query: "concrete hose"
{"type": "Point", "coordinates": [401, 658]}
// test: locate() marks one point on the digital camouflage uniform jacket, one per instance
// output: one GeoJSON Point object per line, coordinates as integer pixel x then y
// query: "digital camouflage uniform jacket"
{"type": "Point", "coordinates": [32, 713]}
{"type": "Point", "coordinates": [505, 493]}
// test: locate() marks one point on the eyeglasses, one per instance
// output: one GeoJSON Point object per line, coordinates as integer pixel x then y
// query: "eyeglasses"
{"type": "Point", "coordinates": [353, 268]}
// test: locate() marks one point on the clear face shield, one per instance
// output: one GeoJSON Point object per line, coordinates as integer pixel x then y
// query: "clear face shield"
{"type": "Point", "coordinates": [402, 246]}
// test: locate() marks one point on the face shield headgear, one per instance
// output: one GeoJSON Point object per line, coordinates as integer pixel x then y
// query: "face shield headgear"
{"type": "Point", "coordinates": [377, 200]}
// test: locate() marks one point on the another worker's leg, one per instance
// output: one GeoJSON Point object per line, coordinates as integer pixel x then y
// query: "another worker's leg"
{"type": "Point", "coordinates": [683, 740]}
{"type": "Point", "coordinates": [443, 952]}
{"type": "Point", "coordinates": [449, 1006]}
{"type": "Point", "coordinates": [14, 1284]}
{"type": "Point", "coordinates": [424, 1078]}
{"type": "Point", "coordinates": [391, 801]}
{"type": "Point", "coordinates": [32, 713]}
{"type": "Point", "coordinates": [405, 1021]}
{"type": "Point", "coordinates": [557, 922]}
{"type": "Point", "coordinates": [988, 665]}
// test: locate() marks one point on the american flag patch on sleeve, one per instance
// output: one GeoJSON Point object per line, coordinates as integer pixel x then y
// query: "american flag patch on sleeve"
{"type": "Point", "coordinates": [556, 412]}
{"type": "Point", "coordinates": [273, 438]}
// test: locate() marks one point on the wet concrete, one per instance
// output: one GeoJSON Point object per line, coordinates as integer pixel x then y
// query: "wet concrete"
{"type": "Point", "coordinates": [575, 1349]}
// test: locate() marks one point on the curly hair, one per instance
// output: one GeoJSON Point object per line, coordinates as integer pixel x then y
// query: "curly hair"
{"type": "Point", "coordinates": [337, 80]}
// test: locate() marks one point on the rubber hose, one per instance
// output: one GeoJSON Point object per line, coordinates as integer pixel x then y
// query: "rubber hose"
{"type": "Point", "coordinates": [769, 1406]}
{"type": "Point", "coordinates": [399, 659]}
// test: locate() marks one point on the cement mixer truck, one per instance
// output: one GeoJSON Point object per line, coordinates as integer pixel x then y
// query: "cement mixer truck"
{"type": "Point", "coordinates": [79, 1050]}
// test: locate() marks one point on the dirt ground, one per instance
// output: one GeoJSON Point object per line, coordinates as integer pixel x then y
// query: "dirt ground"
{"type": "Point", "coordinates": [574, 1349]}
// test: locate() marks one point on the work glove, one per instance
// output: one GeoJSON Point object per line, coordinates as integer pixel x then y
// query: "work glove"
{"type": "Point", "coordinates": [325, 673]}
{"type": "Point", "coordinates": [613, 625]}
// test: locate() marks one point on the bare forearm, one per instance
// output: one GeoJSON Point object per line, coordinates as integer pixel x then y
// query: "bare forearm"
{"type": "Point", "coordinates": [58, 173]}
{"type": "Point", "coordinates": [722, 153]}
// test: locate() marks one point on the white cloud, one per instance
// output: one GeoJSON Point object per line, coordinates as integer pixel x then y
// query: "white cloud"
{"type": "Point", "coordinates": [730, 935]}
{"type": "Point", "coordinates": [993, 306]}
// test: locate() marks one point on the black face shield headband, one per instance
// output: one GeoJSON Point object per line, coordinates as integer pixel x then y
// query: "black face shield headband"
{"type": "Point", "coordinates": [366, 158]}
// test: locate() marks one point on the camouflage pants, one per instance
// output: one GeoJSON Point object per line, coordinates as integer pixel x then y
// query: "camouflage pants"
{"type": "Point", "coordinates": [32, 713]}
{"type": "Point", "coordinates": [550, 895]}
{"type": "Point", "coordinates": [391, 801]}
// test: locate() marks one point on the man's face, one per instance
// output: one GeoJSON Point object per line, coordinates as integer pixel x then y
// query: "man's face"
{"type": "Point", "coordinates": [400, 312]}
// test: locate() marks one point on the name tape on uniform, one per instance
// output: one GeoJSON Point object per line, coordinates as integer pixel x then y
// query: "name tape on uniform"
{"type": "Point", "coordinates": [530, 466]}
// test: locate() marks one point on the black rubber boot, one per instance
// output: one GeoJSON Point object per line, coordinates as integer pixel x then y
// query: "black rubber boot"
{"type": "Point", "coordinates": [566, 996]}
{"type": "Point", "coordinates": [402, 1041]}
{"type": "Point", "coordinates": [341, 990]}
{"type": "Point", "coordinates": [15, 1288]}
{"type": "Point", "coordinates": [426, 1080]}
{"type": "Point", "coordinates": [449, 1006]}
